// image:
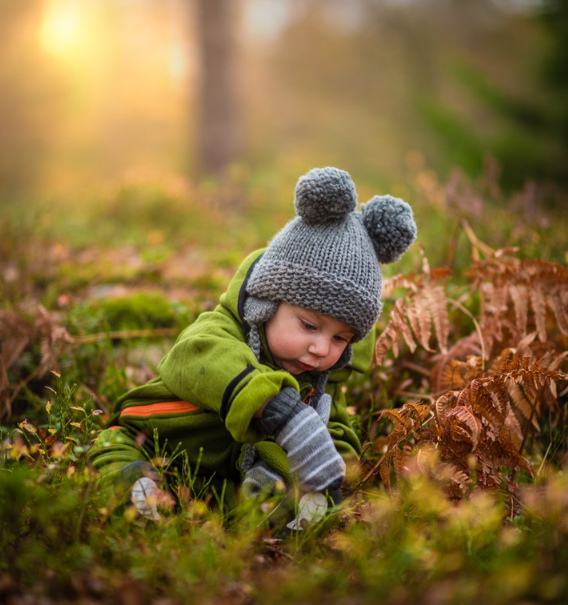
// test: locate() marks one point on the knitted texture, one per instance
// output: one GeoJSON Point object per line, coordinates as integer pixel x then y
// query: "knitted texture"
{"type": "Point", "coordinates": [326, 259]}
{"type": "Point", "coordinates": [303, 435]}
{"type": "Point", "coordinates": [312, 456]}
{"type": "Point", "coordinates": [256, 313]}
{"type": "Point", "coordinates": [261, 478]}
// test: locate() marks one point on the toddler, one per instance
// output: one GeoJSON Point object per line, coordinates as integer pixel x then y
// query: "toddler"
{"type": "Point", "coordinates": [250, 394]}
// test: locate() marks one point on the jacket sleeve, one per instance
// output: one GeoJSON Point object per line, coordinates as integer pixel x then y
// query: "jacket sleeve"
{"type": "Point", "coordinates": [211, 366]}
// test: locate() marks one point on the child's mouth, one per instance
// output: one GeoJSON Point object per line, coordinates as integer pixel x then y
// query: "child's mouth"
{"type": "Point", "coordinates": [304, 366]}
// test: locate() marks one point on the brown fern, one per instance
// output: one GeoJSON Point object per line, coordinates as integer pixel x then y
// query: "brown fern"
{"type": "Point", "coordinates": [22, 330]}
{"type": "Point", "coordinates": [475, 429]}
{"type": "Point", "coordinates": [422, 308]}
{"type": "Point", "coordinates": [517, 296]}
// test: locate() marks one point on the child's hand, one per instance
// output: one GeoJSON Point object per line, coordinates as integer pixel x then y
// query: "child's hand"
{"type": "Point", "coordinates": [300, 431]}
{"type": "Point", "coordinates": [262, 479]}
{"type": "Point", "coordinates": [323, 408]}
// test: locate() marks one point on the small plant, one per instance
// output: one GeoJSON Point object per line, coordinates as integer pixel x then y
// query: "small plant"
{"type": "Point", "coordinates": [494, 388]}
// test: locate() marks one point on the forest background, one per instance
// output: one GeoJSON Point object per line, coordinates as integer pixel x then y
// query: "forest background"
{"type": "Point", "coordinates": [147, 147]}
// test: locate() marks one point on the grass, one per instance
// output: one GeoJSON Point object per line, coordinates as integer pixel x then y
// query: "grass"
{"type": "Point", "coordinates": [88, 311]}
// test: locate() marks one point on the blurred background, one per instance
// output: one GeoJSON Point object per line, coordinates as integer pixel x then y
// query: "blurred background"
{"type": "Point", "coordinates": [93, 92]}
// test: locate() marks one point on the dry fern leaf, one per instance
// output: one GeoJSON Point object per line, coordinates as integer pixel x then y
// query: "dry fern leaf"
{"type": "Point", "coordinates": [491, 401]}
{"type": "Point", "coordinates": [515, 428]}
{"type": "Point", "coordinates": [503, 453]}
{"type": "Point", "coordinates": [420, 411]}
{"type": "Point", "coordinates": [531, 284]}
{"type": "Point", "coordinates": [520, 402]}
{"type": "Point", "coordinates": [504, 356]}
{"type": "Point", "coordinates": [460, 482]}
{"type": "Point", "coordinates": [538, 304]}
{"type": "Point", "coordinates": [412, 317]}
{"type": "Point", "coordinates": [400, 324]}
{"type": "Point", "coordinates": [410, 416]}
{"type": "Point", "coordinates": [443, 405]}
{"type": "Point", "coordinates": [461, 350]}
{"type": "Point", "coordinates": [385, 342]}
{"type": "Point", "coordinates": [460, 424]}
{"type": "Point", "coordinates": [398, 417]}
{"type": "Point", "coordinates": [519, 296]}
{"type": "Point", "coordinates": [492, 309]}
{"type": "Point", "coordinates": [439, 312]}
{"type": "Point", "coordinates": [393, 460]}
{"type": "Point", "coordinates": [457, 374]}
{"type": "Point", "coordinates": [420, 319]}
{"type": "Point", "coordinates": [558, 303]}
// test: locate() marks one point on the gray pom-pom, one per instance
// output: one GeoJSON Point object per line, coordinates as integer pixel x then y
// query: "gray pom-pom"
{"type": "Point", "coordinates": [390, 224]}
{"type": "Point", "coordinates": [324, 195]}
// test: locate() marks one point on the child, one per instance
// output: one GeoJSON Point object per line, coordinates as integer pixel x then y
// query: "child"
{"type": "Point", "coordinates": [252, 389]}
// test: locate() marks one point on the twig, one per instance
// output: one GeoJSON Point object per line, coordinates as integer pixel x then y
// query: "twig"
{"type": "Point", "coordinates": [414, 396]}
{"type": "Point", "coordinates": [125, 334]}
{"type": "Point", "coordinates": [475, 242]}
{"type": "Point", "coordinates": [544, 459]}
{"type": "Point", "coordinates": [416, 368]}
{"type": "Point", "coordinates": [475, 323]}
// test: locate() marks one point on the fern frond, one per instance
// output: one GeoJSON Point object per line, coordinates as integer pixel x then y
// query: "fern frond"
{"type": "Point", "coordinates": [457, 374]}
{"type": "Point", "coordinates": [459, 484]}
{"type": "Point", "coordinates": [532, 285]}
{"type": "Point", "coordinates": [392, 460]}
{"type": "Point", "coordinates": [523, 404]}
{"type": "Point", "coordinates": [558, 303]}
{"type": "Point", "coordinates": [443, 405]}
{"type": "Point", "coordinates": [504, 356]}
{"type": "Point", "coordinates": [397, 416]}
{"type": "Point", "coordinates": [460, 351]}
{"type": "Point", "coordinates": [400, 324]}
{"type": "Point", "coordinates": [538, 304]}
{"type": "Point", "coordinates": [460, 424]}
{"type": "Point", "coordinates": [520, 298]}
{"type": "Point", "coordinates": [420, 319]}
{"type": "Point", "coordinates": [385, 342]}
{"type": "Point", "coordinates": [514, 428]}
{"type": "Point", "coordinates": [439, 313]}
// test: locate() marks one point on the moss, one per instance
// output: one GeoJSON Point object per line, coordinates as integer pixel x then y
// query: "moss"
{"type": "Point", "coordinates": [143, 309]}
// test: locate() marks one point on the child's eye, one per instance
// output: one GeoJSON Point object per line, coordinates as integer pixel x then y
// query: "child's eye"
{"type": "Point", "coordinates": [340, 339]}
{"type": "Point", "coordinates": [309, 326]}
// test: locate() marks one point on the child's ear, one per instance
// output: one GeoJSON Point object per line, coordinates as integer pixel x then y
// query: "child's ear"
{"type": "Point", "coordinates": [391, 227]}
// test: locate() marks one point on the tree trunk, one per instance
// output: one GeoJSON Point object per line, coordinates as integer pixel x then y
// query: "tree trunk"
{"type": "Point", "coordinates": [218, 115]}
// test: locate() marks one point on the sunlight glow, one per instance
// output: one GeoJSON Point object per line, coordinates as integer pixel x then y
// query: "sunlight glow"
{"type": "Point", "coordinates": [61, 28]}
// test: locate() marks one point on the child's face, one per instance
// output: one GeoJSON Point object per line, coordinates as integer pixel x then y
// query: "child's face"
{"type": "Point", "coordinates": [301, 340]}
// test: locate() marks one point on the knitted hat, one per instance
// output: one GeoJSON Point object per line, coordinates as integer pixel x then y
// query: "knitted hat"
{"type": "Point", "coordinates": [327, 258]}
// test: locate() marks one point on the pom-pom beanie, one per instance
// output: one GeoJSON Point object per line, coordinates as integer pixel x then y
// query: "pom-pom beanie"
{"type": "Point", "coordinates": [327, 258]}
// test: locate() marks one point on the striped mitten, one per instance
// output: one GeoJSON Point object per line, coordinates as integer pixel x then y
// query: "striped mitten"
{"type": "Point", "coordinates": [302, 434]}
{"type": "Point", "coordinates": [261, 478]}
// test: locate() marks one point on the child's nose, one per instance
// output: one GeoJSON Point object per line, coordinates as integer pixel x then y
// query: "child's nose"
{"type": "Point", "coordinates": [319, 346]}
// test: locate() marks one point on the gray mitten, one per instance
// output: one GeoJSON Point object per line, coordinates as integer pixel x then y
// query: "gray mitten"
{"type": "Point", "coordinates": [260, 479]}
{"type": "Point", "coordinates": [323, 408]}
{"type": "Point", "coordinates": [302, 434]}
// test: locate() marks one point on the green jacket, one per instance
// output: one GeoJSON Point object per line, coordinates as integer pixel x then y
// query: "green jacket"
{"type": "Point", "coordinates": [210, 385]}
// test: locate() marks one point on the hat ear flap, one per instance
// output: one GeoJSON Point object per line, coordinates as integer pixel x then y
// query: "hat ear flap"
{"type": "Point", "coordinates": [391, 227]}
